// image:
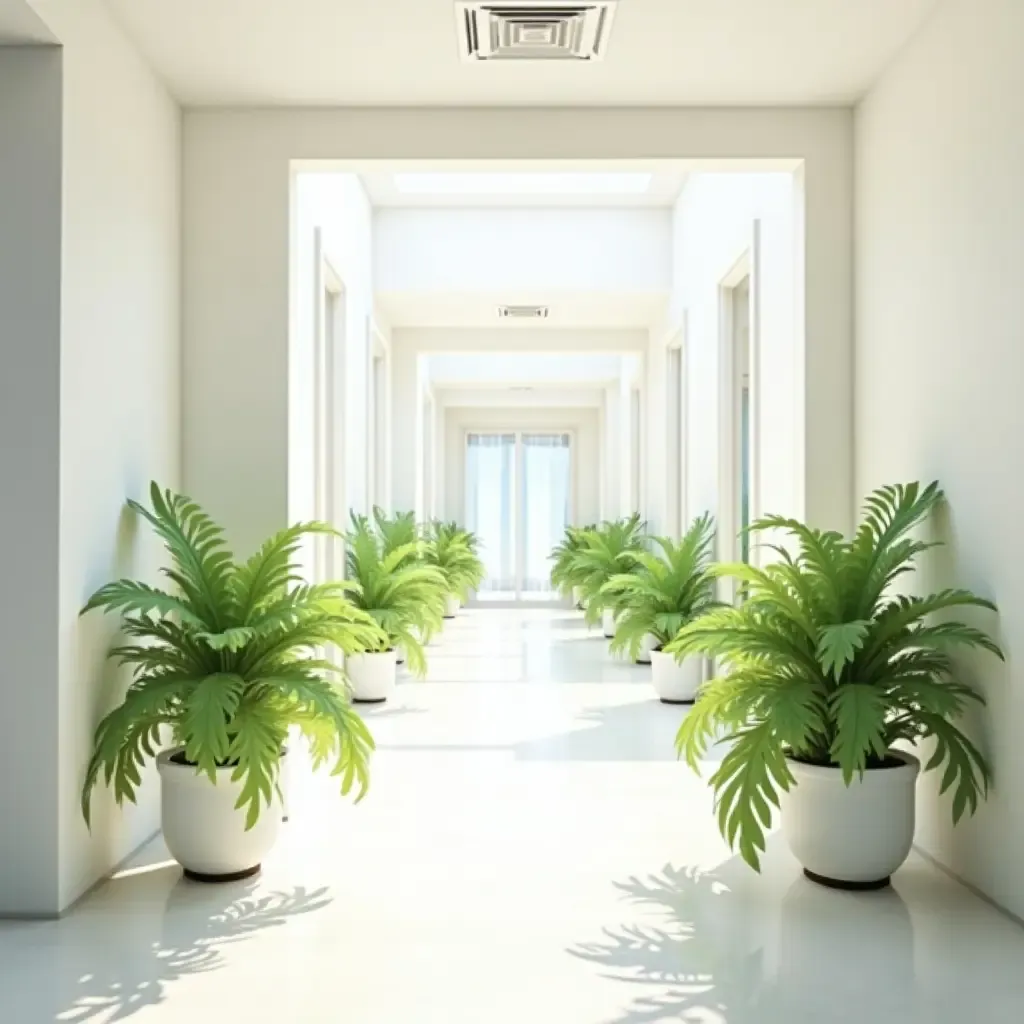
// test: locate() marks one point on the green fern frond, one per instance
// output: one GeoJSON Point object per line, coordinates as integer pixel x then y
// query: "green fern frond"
{"type": "Point", "coordinates": [822, 663]}
{"type": "Point", "coordinates": [202, 661]}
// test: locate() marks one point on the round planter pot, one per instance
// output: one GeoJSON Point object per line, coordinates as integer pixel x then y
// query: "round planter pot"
{"type": "Point", "coordinates": [646, 646]}
{"type": "Point", "coordinates": [856, 836]}
{"type": "Point", "coordinates": [372, 675]}
{"type": "Point", "coordinates": [608, 623]}
{"type": "Point", "coordinates": [451, 606]}
{"type": "Point", "coordinates": [399, 655]}
{"type": "Point", "coordinates": [204, 831]}
{"type": "Point", "coordinates": [284, 783]}
{"type": "Point", "coordinates": [675, 682]}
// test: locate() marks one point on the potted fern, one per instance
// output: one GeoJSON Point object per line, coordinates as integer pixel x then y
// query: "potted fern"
{"type": "Point", "coordinates": [452, 550]}
{"type": "Point", "coordinates": [401, 530]}
{"type": "Point", "coordinates": [604, 553]}
{"type": "Point", "coordinates": [827, 675]}
{"type": "Point", "coordinates": [665, 589]}
{"type": "Point", "coordinates": [566, 575]}
{"type": "Point", "coordinates": [224, 665]}
{"type": "Point", "coordinates": [399, 592]}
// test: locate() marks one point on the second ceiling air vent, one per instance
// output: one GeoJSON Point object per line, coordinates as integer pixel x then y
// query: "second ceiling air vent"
{"type": "Point", "coordinates": [523, 312]}
{"type": "Point", "coordinates": [534, 30]}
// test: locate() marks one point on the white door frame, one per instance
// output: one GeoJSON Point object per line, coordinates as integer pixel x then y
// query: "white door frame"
{"type": "Point", "coordinates": [747, 265]}
{"type": "Point", "coordinates": [677, 453]}
{"type": "Point", "coordinates": [329, 346]}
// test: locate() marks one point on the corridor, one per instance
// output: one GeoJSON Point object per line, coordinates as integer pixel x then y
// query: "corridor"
{"type": "Point", "coordinates": [530, 851]}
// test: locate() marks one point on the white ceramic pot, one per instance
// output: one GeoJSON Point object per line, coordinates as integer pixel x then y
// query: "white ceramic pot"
{"type": "Point", "coordinates": [856, 836]}
{"type": "Point", "coordinates": [646, 646]}
{"type": "Point", "coordinates": [204, 831]}
{"type": "Point", "coordinates": [608, 623]}
{"type": "Point", "coordinates": [675, 682]}
{"type": "Point", "coordinates": [284, 783]}
{"type": "Point", "coordinates": [373, 675]}
{"type": "Point", "coordinates": [452, 604]}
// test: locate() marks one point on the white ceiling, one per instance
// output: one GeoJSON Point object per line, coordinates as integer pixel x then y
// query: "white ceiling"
{"type": "Point", "coordinates": [478, 309]}
{"type": "Point", "coordinates": [404, 53]}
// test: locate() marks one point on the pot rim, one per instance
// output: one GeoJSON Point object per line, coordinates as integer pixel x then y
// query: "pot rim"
{"type": "Point", "coordinates": [910, 764]}
{"type": "Point", "coordinates": [165, 764]}
{"type": "Point", "coordinates": [372, 654]}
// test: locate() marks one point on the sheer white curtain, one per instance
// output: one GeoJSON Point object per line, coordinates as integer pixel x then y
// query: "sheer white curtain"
{"type": "Point", "coordinates": [547, 474]}
{"type": "Point", "coordinates": [490, 486]}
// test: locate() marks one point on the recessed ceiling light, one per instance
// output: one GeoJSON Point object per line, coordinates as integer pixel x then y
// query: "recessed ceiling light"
{"type": "Point", "coordinates": [525, 183]}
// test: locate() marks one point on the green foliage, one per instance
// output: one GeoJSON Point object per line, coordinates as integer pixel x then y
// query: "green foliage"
{"type": "Point", "coordinates": [664, 589]}
{"type": "Point", "coordinates": [565, 572]}
{"type": "Point", "coordinates": [605, 552]}
{"type": "Point", "coordinates": [452, 551]}
{"type": "Point", "coordinates": [397, 531]}
{"type": "Point", "coordinates": [401, 593]}
{"type": "Point", "coordinates": [229, 662]}
{"type": "Point", "coordinates": [823, 663]}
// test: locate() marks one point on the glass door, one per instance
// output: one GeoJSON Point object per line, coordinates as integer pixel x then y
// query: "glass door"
{"type": "Point", "coordinates": [490, 509]}
{"type": "Point", "coordinates": [518, 502]}
{"type": "Point", "coordinates": [544, 494]}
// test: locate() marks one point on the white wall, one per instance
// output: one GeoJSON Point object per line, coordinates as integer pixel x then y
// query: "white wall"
{"type": "Point", "coordinates": [338, 206]}
{"type": "Point", "coordinates": [714, 228]}
{"type": "Point", "coordinates": [115, 373]}
{"type": "Point", "coordinates": [583, 423]}
{"type": "Point", "coordinates": [236, 236]}
{"type": "Point", "coordinates": [940, 161]}
{"type": "Point", "coordinates": [31, 97]}
{"type": "Point", "coordinates": [120, 382]}
{"type": "Point", "coordinates": [474, 250]}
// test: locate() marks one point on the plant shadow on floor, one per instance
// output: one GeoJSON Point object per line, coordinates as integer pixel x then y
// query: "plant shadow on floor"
{"type": "Point", "coordinates": [716, 947]}
{"type": "Point", "coordinates": [680, 970]}
{"type": "Point", "coordinates": [111, 973]}
{"type": "Point", "coordinates": [641, 731]}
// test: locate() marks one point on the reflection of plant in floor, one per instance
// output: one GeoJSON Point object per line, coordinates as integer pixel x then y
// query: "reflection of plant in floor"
{"type": "Point", "coordinates": [690, 957]}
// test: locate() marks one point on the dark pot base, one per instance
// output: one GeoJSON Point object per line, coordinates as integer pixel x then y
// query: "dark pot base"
{"type": "Point", "coordinates": [666, 701]}
{"type": "Point", "coordinates": [233, 876]}
{"type": "Point", "coordinates": [838, 883]}
{"type": "Point", "coordinates": [368, 700]}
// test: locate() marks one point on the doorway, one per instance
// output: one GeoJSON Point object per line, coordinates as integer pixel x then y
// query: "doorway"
{"type": "Point", "coordinates": [328, 430]}
{"type": "Point", "coordinates": [518, 500]}
{"type": "Point", "coordinates": [739, 407]}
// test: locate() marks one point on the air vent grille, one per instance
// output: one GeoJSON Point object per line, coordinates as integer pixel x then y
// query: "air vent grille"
{"type": "Point", "coordinates": [534, 30]}
{"type": "Point", "coordinates": [523, 312]}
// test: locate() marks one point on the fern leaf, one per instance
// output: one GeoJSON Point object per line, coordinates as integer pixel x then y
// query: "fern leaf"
{"type": "Point", "coordinates": [860, 714]}
{"type": "Point", "coordinates": [209, 711]}
{"type": "Point", "coordinates": [838, 645]}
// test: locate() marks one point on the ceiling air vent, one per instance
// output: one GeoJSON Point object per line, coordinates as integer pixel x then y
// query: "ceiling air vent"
{"type": "Point", "coordinates": [523, 312]}
{"type": "Point", "coordinates": [534, 29]}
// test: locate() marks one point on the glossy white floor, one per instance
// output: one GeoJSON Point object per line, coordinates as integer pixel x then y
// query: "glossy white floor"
{"type": "Point", "coordinates": [530, 852]}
